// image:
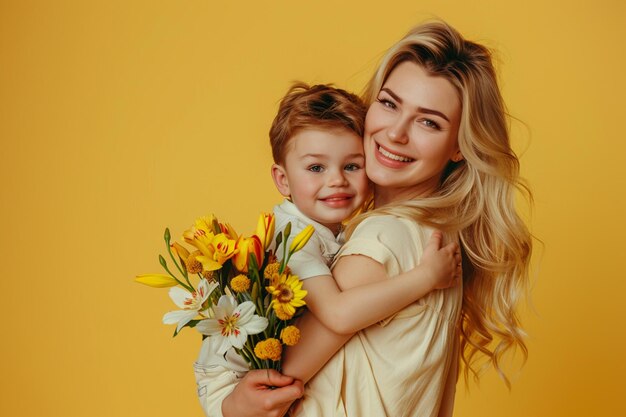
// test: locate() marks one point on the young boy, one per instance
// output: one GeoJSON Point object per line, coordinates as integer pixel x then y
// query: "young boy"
{"type": "Point", "coordinates": [317, 148]}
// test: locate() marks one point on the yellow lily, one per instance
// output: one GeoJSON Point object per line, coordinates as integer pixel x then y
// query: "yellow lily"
{"type": "Point", "coordinates": [156, 280]}
{"type": "Point", "coordinates": [265, 229]}
{"type": "Point", "coordinates": [301, 239]}
{"type": "Point", "coordinates": [228, 230]}
{"type": "Point", "coordinates": [200, 235]}
{"type": "Point", "coordinates": [224, 248]}
{"type": "Point", "coordinates": [180, 251]}
{"type": "Point", "coordinates": [219, 250]}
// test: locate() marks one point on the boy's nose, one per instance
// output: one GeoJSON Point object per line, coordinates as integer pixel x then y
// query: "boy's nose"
{"type": "Point", "coordinates": [337, 179]}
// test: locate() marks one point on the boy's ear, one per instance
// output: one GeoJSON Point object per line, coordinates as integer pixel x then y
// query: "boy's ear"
{"type": "Point", "coordinates": [279, 175]}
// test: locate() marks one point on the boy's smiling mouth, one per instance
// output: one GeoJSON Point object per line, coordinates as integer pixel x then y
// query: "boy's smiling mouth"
{"type": "Point", "coordinates": [338, 199]}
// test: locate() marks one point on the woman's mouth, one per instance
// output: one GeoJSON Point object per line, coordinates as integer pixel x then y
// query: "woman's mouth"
{"type": "Point", "coordinates": [390, 155]}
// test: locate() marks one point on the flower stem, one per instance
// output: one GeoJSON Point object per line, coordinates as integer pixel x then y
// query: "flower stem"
{"type": "Point", "coordinates": [182, 284]}
{"type": "Point", "coordinates": [183, 271]}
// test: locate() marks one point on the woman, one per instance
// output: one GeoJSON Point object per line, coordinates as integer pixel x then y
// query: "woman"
{"type": "Point", "coordinates": [437, 150]}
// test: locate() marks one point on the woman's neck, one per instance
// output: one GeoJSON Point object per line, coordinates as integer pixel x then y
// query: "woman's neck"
{"type": "Point", "coordinates": [387, 195]}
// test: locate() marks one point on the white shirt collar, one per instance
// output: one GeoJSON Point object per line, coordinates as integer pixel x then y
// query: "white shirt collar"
{"type": "Point", "coordinates": [289, 209]}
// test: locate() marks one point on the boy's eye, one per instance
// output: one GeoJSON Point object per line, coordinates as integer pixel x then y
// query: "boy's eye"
{"type": "Point", "coordinates": [352, 167]}
{"type": "Point", "coordinates": [316, 168]}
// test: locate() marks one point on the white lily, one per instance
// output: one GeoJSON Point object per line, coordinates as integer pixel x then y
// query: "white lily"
{"type": "Point", "coordinates": [232, 323]}
{"type": "Point", "coordinates": [190, 302]}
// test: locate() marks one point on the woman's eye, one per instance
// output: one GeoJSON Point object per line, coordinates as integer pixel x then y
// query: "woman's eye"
{"type": "Point", "coordinates": [430, 124]}
{"type": "Point", "coordinates": [352, 167]}
{"type": "Point", "coordinates": [316, 168]}
{"type": "Point", "coordinates": [387, 103]}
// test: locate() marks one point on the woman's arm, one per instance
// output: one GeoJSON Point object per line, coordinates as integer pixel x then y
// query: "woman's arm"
{"type": "Point", "coordinates": [372, 296]}
{"type": "Point", "coordinates": [447, 402]}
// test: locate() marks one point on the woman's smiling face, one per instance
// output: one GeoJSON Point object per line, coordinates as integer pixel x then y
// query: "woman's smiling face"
{"type": "Point", "coordinates": [411, 133]}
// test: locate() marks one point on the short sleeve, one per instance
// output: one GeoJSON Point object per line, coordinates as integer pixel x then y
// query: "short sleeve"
{"type": "Point", "coordinates": [214, 384]}
{"type": "Point", "coordinates": [216, 376]}
{"type": "Point", "coordinates": [389, 240]}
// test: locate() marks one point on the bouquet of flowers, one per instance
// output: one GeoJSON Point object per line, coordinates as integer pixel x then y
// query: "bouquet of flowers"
{"type": "Point", "coordinates": [234, 288]}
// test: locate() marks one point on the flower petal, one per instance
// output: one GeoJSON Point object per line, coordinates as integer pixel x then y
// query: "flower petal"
{"type": "Point", "coordinates": [156, 280]}
{"type": "Point", "coordinates": [237, 340]}
{"type": "Point", "coordinates": [181, 317]}
{"type": "Point", "coordinates": [224, 344]}
{"type": "Point", "coordinates": [205, 289]}
{"type": "Point", "coordinates": [179, 295]}
{"type": "Point", "coordinates": [209, 327]}
{"type": "Point", "coordinates": [256, 324]}
{"type": "Point", "coordinates": [208, 264]}
{"type": "Point", "coordinates": [227, 303]}
{"type": "Point", "coordinates": [245, 310]}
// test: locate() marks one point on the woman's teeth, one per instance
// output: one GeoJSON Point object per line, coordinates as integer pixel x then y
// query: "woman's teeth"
{"type": "Point", "coordinates": [393, 156]}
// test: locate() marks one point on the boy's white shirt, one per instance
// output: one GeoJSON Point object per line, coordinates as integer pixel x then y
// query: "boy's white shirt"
{"type": "Point", "coordinates": [216, 376]}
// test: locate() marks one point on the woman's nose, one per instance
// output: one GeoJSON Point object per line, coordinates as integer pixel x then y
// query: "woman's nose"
{"type": "Point", "coordinates": [397, 132]}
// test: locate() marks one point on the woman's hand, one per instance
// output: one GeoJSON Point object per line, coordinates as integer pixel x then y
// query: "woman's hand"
{"type": "Point", "coordinates": [262, 393]}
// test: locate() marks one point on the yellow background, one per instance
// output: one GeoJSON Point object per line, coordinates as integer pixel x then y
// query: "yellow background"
{"type": "Point", "coordinates": [118, 118]}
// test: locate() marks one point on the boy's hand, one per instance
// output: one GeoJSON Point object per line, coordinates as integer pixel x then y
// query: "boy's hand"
{"type": "Point", "coordinates": [262, 393]}
{"type": "Point", "coordinates": [442, 265]}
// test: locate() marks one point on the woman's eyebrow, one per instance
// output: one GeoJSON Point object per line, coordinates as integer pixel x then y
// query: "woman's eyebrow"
{"type": "Point", "coordinates": [419, 109]}
{"type": "Point", "coordinates": [392, 94]}
{"type": "Point", "coordinates": [434, 112]}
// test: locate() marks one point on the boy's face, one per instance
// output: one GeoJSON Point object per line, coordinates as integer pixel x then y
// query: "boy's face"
{"type": "Point", "coordinates": [324, 174]}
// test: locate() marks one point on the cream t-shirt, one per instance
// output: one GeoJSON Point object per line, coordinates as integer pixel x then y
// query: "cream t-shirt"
{"type": "Point", "coordinates": [400, 366]}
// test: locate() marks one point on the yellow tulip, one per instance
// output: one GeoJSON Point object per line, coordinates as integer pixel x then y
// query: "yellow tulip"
{"type": "Point", "coordinates": [265, 229]}
{"type": "Point", "coordinates": [301, 239]}
{"type": "Point", "coordinates": [156, 280]}
{"type": "Point", "coordinates": [246, 246]}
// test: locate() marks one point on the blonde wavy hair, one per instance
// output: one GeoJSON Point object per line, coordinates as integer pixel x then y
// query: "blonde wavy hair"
{"type": "Point", "coordinates": [476, 196]}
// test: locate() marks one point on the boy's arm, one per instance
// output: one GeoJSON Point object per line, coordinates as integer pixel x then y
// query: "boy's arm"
{"type": "Point", "coordinates": [371, 296]}
{"type": "Point", "coordinates": [318, 343]}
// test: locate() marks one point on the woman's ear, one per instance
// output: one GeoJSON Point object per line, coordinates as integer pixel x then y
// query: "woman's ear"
{"type": "Point", "coordinates": [458, 156]}
{"type": "Point", "coordinates": [279, 175]}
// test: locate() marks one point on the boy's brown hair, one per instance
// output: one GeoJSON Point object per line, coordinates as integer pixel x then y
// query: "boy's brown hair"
{"type": "Point", "coordinates": [318, 106]}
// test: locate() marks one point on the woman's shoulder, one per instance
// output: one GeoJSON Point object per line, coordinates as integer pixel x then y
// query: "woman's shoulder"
{"type": "Point", "coordinates": [387, 224]}
{"type": "Point", "coordinates": [393, 241]}
{"type": "Point", "coordinates": [393, 232]}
